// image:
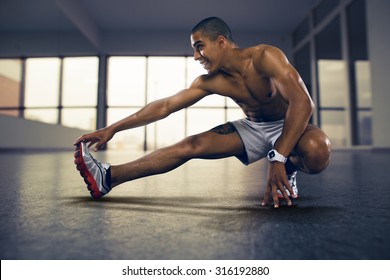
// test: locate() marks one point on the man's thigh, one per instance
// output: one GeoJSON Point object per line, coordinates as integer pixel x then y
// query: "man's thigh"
{"type": "Point", "coordinates": [219, 142]}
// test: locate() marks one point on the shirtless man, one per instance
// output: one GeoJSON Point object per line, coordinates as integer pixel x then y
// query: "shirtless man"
{"type": "Point", "coordinates": [267, 88]}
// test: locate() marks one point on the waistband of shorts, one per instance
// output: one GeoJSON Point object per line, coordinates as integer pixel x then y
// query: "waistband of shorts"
{"type": "Point", "coordinates": [263, 121]}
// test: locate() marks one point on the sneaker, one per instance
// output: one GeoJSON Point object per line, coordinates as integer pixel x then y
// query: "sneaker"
{"type": "Point", "coordinates": [96, 175]}
{"type": "Point", "coordinates": [292, 179]}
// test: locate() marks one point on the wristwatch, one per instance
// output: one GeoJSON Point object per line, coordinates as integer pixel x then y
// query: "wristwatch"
{"type": "Point", "coordinates": [273, 155]}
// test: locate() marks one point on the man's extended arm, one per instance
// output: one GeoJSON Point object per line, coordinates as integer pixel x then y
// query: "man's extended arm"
{"type": "Point", "coordinates": [152, 112]}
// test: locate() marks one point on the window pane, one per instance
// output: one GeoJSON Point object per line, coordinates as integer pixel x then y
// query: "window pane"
{"type": "Point", "coordinates": [42, 82]}
{"type": "Point", "coordinates": [357, 35]}
{"type": "Point", "coordinates": [79, 118]}
{"type": "Point", "coordinates": [365, 127]}
{"type": "Point", "coordinates": [10, 76]}
{"type": "Point", "coordinates": [333, 124]}
{"type": "Point", "coordinates": [42, 115]}
{"type": "Point", "coordinates": [328, 41]}
{"type": "Point", "coordinates": [129, 139]}
{"type": "Point", "coordinates": [167, 131]}
{"type": "Point", "coordinates": [166, 76]}
{"type": "Point", "coordinates": [332, 83]}
{"type": "Point", "coordinates": [363, 84]}
{"type": "Point", "coordinates": [80, 81]}
{"type": "Point", "coordinates": [126, 81]}
{"type": "Point", "coordinates": [200, 120]}
{"type": "Point", "coordinates": [301, 32]}
{"type": "Point", "coordinates": [324, 9]}
{"type": "Point", "coordinates": [11, 113]}
{"type": "Point", "coordinates": [303, 65]}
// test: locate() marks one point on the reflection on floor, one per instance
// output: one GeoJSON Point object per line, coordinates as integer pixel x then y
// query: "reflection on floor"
{"type": "Point", "coordinates": [202, 210]}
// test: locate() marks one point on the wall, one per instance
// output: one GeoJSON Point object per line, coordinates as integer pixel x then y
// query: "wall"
{"type": "Point", "coordinates": [178, 43]}
{"type": "Point", "coordinates": [121, 43]}
{"type": "Point", "coordinates": [21, 134]}
{"type": "Point", "coordinates": [35, 44]}
{"type": "Point", "coordinates": [378, 21]}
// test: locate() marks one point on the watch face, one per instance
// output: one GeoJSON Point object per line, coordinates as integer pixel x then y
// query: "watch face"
{"type": "Point", "coordinates": [271, 154]}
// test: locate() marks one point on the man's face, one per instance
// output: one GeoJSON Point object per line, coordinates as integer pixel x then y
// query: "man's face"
{"type": "Point", "coordinates": [206, 51]}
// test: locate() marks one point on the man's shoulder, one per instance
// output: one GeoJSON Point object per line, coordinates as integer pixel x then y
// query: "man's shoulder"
{"type": "Point", "coordinates": [265, 57]}
{"type": "Point", "coordinates": [263, 49]}
{"type": "Point", "coordinates": [203, 81]}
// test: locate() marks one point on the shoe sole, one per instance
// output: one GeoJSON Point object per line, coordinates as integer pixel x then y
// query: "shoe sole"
{"type": "Point", "coordinates": [85, 173]}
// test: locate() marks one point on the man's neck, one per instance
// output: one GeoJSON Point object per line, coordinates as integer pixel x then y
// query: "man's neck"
{"type": "Point", "coordinates": [235, 62]}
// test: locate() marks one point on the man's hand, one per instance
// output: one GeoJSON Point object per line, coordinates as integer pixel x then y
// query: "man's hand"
{"type": "Point", "coordinates": [277, 180]}
{"type": "Point", "coordinates": [100, 137]}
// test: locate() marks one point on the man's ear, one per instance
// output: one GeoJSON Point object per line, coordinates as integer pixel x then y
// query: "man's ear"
{"type": "Point", "coordinates": [221, 41]}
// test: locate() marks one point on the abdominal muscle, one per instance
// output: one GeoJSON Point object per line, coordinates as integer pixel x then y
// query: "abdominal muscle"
{"type": "Point", "coordinates": [274, 109]}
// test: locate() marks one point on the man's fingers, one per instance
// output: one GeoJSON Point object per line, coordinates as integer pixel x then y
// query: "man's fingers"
{"type": "Point", "coordinates": [286, 197]}
{"type": "Point", "coordinates": [97, 146]}
{"type": "Point", "coordinates": [266, 196]}
{"type": "Point", "coordinates": [93, 141]}
{"type": "Point", "coordinates": [289, 188]}
{"type": "Point", "coordinates": [285, 194]}
{"type": "Point", "coordinates": [84, 138]}
{"type": "Point", "coordinates": [275, 196]}
{"type": "Point", "coordinates": [80, 139]}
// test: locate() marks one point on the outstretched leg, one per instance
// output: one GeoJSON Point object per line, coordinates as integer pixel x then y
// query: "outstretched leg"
{"type": "Point", "coordinates": [220, 142]}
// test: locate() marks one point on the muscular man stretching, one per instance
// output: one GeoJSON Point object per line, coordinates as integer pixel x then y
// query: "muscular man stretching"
{"type": "Point", "coordinates": [263, 83]}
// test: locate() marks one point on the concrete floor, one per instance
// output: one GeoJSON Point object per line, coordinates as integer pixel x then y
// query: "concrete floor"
{"type": "Point", "coordinates": [202, 210]}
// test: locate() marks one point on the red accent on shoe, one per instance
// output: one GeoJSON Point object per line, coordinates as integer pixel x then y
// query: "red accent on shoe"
{"type": "Point", "coordinates": [84, 172]}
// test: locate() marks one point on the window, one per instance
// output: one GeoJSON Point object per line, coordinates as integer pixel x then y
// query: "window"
{"type": "Point", "coordinates": [303, 65]}
{"type": "Point", "coordinates": [301, 32]}
{"type": "Point", "coordinates": [79, 92]}
{"type": "Point", "coordinates": [360, 72]}
{"type": "Point", "coordinates": [126, 81]}
{"type": "Point", "coordinates": [132, 139]}
{"type": "Point", "coordinates": [135, 81]}
{"type": "Point", "coordinates": [64, 91]}
{"type": "Point", "coordinates": [343, 79]}
{"type": "Point", "coordinates": [80, 80]}
{"type": "Point", "coordinates": [10, 86]}
{"type": "Point", "coordinates": [126, 93]}
{"type": "Point", "coordinates": [364, 102]}
{"type": "Point", "coordinates": [332, 84]}
{"type": "Point", "coordinates": [166, 76]}
{"type": "Point", "coordinates": [42, 89]}
{"type": "Point", "coordinates": [324, 9]}
{"type": "Point", "coordinates": [56, 90]}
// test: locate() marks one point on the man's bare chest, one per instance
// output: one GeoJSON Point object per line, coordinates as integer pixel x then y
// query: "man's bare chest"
{"type": "Point", "coordinates": [246, 89]}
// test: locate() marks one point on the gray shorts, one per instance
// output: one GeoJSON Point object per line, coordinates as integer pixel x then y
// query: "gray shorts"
{"type": "Point", "coordinates": [258, 137]}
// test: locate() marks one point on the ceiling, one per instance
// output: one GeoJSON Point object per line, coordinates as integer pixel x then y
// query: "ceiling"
{"type": "Point", "coordinates": [95, 18]}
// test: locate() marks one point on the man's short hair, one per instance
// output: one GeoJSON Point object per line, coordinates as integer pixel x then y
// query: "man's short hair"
{"type": "Point", "coordinates": [213, 27]}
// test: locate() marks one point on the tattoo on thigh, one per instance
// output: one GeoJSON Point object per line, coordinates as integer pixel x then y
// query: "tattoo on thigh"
{"type": "Point", "coordinates": [226, 128]}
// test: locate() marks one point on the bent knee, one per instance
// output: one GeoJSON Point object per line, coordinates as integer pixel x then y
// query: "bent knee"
{"type": "Point", "coordinates": [314, 150]}
{"type": "Point", "coordinates": [315, 164]}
